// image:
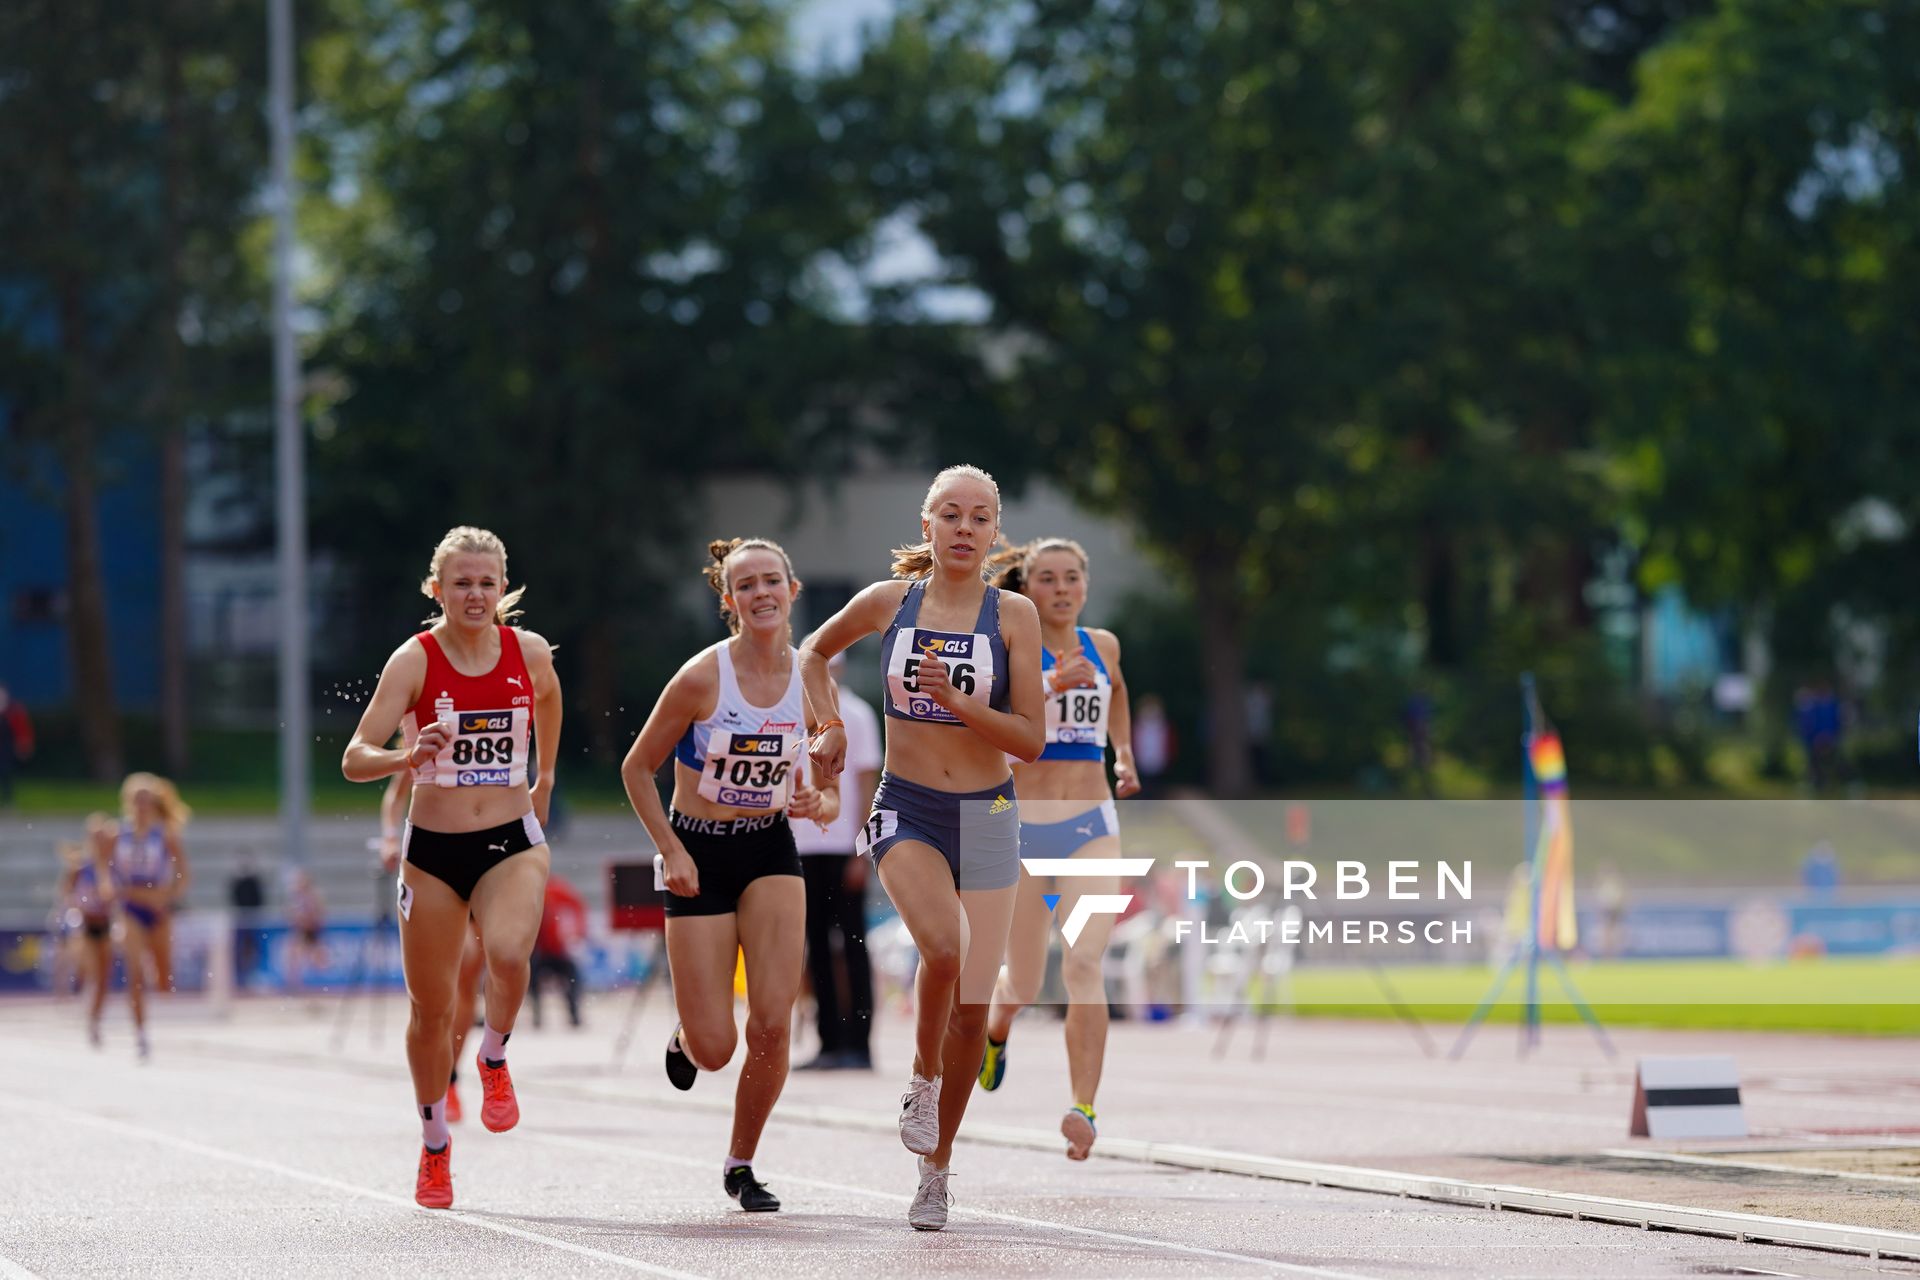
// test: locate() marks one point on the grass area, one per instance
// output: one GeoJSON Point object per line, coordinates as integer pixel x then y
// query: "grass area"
{"type": "Point", "coordinates": [1855, 996]}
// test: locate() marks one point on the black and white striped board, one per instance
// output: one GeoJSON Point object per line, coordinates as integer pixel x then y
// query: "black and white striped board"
{"type": "Point", "coordinates": [1687, 1098]}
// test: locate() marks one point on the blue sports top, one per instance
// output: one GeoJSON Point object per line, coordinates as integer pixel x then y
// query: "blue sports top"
{"type": "Point", "coordinates": [1077, 718]}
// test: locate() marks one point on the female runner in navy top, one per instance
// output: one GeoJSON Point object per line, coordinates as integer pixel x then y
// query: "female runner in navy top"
{"type": "Point", "coordinates": [961, 664]}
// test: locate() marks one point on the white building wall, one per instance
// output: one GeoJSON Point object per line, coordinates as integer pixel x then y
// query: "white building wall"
{"type": "Point", "coordinates": [842, 538]}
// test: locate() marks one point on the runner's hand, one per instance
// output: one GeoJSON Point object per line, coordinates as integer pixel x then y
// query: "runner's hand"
{"type": "Point", "coordinates": [1072, 671]}
{"type": "Point", "coordinates": [827, 751]}
{"type": "Point", "coordinates": [677, 869]}
{"type": "Point", "coordinates": [805, 802]}
{"type": "Point", "coordinates": [933, 682]}
{"type": "Point", "coordinates": [429, 744]}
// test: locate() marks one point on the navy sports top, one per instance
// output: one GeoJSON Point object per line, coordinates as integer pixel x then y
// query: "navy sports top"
{"type": "Point", "coordinates": [976, 661]}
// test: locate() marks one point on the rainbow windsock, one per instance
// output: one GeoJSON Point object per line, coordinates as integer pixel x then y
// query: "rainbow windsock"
{"type": "Point", "coordinates": [1556, 925]}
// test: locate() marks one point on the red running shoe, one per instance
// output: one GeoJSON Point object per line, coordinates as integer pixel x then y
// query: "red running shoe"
{"type": "Point", "coordinates": [453, 1104]}
{"type": "Point", "coordinates": [433, 1189]}
{"type": "Point", "coordinates": [499, 1109]}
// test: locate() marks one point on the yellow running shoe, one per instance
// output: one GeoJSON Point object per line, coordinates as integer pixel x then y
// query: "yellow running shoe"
{"type": "Point", "coordinates": [993, 1067]}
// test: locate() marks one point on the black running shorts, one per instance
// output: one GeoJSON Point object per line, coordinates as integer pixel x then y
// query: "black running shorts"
{"type": "Point", "coordinates": [730, 854]}
{"type": "Point", "coordinates": [459, 858]}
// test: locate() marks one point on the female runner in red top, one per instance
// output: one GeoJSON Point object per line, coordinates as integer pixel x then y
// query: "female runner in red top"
{"type": "Point", "coordinates": [465, 693]}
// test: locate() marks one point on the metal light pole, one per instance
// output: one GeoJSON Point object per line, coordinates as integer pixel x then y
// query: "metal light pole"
{"type": "Point", "coordinates": [289, 454]}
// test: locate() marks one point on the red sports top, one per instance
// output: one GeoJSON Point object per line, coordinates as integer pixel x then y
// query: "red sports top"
{"type": "Point", "coordinates": [491, 717]}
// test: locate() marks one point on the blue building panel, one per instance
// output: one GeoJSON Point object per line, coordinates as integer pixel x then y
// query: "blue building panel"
{"type": "Point", "coordinates": [34, 587]}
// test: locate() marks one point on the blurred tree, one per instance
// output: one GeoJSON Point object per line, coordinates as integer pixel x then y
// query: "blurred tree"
{"type": "Point", "coordinates": [1762, 186]}
{"type": "Point", "coordinates": [577, 258]}
{"type": "Point", "coordinates": [69, 228]}
{"type": "Point", "coordinates": [204, 79]}
{"type": "Point", "coordinates": [1282, 284]}
{"type": "Point", "coordinates": [129, 146]}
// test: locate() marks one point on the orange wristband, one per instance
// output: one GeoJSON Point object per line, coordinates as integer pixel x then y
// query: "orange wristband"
{"type": "Point", "coordinates": [831, 724]}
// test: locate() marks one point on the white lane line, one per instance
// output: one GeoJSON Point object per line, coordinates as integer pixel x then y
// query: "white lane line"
{"type": "Point", "coordinates": [1715, 1162]}
{"type": "Point", "coordinates": [282, 1099]}
{"type": "Point", "coordinates": [1271, 1265]}
{"type": "Point", "coordinates": [11, 1270]}
{"type": "Point", "coordinates": [1449, 1191]}
{"type": "Point", "coordinates": [45, 1109]}
{"type": "Point", "coordinates": [1446, 1191]}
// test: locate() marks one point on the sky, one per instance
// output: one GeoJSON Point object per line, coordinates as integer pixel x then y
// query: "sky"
{"type": "Point", "coordinates": [829, 29]}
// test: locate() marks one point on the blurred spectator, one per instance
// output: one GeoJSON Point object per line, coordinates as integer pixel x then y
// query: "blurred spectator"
{"type": "Point", "coordinates": [306, 916]}
{"type": "Point", "coordinates": [837, 899]}
{"type": "Point", "coordinates": [1820, 869]}
{"type": "Point", "coordinates": [1817, 722]}
{"type": "Point", "coordinates": [16, 742]}
{"type": "Point", "coordinates": [1613, 912]}
{"type": "Point", "coordinates": [1259, 705]}
{"type": "Point", "coordinates": [1417, 715]}
{"type": "Point", "coordinates": [1153, 743]}
{"type": "Point", "coordinates": [247, 894]}
{"type": "Point", "coordinates": [558, 813]}
{"type": "Point", "coordinates": [563, 927]}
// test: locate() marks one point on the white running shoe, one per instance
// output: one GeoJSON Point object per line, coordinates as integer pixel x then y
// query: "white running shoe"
{"type": "Point", "coordinates": [920, 1115]}
{"type": "Point", "coordinates": [928, 1212]}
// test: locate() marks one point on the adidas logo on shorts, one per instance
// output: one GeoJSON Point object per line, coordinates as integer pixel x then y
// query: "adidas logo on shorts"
{"type": "Point", "coordinates": [1000, 805]}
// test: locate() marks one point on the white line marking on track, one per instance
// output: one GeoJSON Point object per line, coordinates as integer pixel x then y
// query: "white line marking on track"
{"type": "Point", "coordinates": [11, 1270]}
{"type": "Point", "coordinates": [1271, 1265]}
{"type": "Point", "coordinates": [45, 1108]}
{"type": "Point", "coordinates": [1714, 1162]}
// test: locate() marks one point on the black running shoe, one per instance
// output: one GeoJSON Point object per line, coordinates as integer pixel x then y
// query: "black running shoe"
{"type": "Point", "coordinates": [680, 1069]}
{"type": "Point", "coordinates": [749, 1191]}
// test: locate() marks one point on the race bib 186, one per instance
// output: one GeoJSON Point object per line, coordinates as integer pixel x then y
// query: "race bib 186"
{"type": "Point", "coordinates": [1078, 717]}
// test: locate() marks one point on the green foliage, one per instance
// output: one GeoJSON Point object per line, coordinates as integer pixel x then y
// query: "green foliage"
{"type": "Point", "coordinates": [1378, 324]}
{"type": "Point", "coordinates": [575, 262]}
{"type": "Point", "coordinates": [1286, 287]}
{"type": "Point", "coordinates": [1759, 190]}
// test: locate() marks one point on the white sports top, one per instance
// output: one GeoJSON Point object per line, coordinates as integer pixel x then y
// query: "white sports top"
{"type": "Point", "coordinates": [746, 755]}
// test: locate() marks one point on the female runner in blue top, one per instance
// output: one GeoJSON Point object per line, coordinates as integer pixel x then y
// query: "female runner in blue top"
{"type": "Point", "coordinates": [1066, 812]}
